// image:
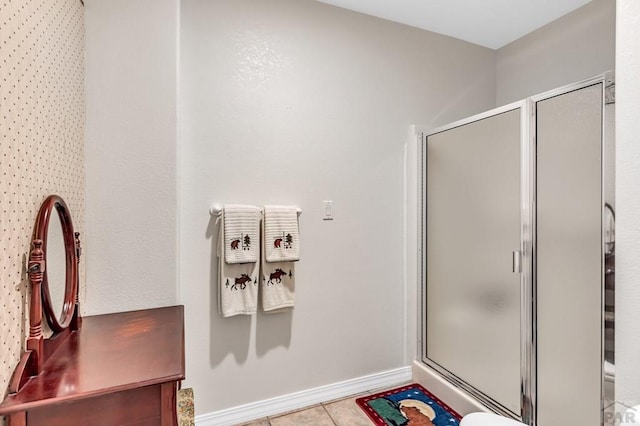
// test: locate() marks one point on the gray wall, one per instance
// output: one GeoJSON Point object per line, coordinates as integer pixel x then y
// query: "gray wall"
{"type": "Point", "coordinates": [295, 102]}
{"type": "Point", "coordinates": [131, 200]}
{"type": "Point", "coordinates": [310, 102]}
{"type": "Point", "coordinates": [575, 47]}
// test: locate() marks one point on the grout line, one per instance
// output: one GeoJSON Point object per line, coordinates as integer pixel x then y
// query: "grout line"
{"type": "Point", "coordinates": [329, 414]}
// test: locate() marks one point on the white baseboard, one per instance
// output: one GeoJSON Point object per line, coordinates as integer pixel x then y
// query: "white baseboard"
{"type": "Point", "coordinates": [455, 398]}
{"type": "Point", "coordinates": [268, 407]}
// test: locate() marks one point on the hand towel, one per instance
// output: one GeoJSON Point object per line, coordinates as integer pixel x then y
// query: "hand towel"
{"type": "Point", "coordinates": [241, 229]}
{"type": "Point", "coordinates": [281, 234]}
{"type": "Point", "coordinates": [237, 283]}
{"type": "Point", "coordinates": [277, 284]}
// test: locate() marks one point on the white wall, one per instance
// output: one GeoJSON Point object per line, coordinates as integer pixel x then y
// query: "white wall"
{"type": "Point", "coordinates": [628, 202]}
{"type": "Point", "coordinates": [131, 154]}
{"type": "Point", "coordinates": [575, 47]}
{"type": "Point", "coordinates": [295, 102]}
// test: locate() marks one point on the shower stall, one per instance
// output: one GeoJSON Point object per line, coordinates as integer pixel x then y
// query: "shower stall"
{"type": "Point", "coordinates": [518, 255]}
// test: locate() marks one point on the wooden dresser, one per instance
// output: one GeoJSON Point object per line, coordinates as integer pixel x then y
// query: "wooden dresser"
{"type": "Point", "coordinates": [116, 369]}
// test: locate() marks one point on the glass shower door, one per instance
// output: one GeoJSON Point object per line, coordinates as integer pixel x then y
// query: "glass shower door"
{"type": "Point", "coordinates": [473, 208]}
{"type": "Point", "coordinates": [570, 256]}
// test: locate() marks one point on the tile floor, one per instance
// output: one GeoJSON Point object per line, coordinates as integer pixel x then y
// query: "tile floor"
{"type": "Point", "coordinates": [343, 412]}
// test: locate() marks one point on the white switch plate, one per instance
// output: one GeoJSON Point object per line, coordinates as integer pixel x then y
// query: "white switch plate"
{"type": "Point", "coordinates": [327, 210]}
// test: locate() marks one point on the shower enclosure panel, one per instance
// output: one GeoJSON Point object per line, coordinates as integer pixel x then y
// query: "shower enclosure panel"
{"type": "Point", "coordinates": [569, 255]}
{"type": "Point", "coordinates": [476, 264]}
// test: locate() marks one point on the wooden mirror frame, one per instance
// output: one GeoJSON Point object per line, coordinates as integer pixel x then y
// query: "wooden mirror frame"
{"type": "Point", "coordinates": [41, 232]}
{"type": "Point", "coordinates": [38, 348]}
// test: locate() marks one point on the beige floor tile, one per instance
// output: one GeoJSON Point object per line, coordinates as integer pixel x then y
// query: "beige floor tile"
{"type": "Point", "coordinates": [347, 413]}
{"type": "Point", "coordinates": [260, 422]}
{"type": "Point", "coordinates": [316, 416]}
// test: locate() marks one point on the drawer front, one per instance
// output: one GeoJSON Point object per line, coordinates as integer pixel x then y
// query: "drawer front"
{"type": "Point", "coordinates": [133, 407]}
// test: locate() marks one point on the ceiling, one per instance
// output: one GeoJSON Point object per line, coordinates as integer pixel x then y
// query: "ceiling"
{"type": "Point", "coordinates": [489, 23]}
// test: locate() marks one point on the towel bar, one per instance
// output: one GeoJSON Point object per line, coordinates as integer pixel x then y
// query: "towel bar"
{"type": "Point", "coordinates": [216, 209]}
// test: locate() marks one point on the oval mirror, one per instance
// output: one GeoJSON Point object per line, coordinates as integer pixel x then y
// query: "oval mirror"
{"type": "Point", "coordinates": [55, 258]}
{"type": "Point", "coordinates": [60, 280]}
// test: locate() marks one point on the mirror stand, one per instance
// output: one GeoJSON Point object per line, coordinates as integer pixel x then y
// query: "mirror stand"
{"type": "Point", "coordinates": [39, 349]}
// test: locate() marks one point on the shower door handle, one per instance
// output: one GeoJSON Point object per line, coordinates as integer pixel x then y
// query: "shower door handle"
{"type": "Point", "coordinates": [517, 261]}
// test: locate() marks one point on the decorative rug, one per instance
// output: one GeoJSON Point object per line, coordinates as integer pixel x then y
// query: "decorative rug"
{"type": "Point", "coordinates": [185, 407]}
{"type": "Point", "coordinates": [408, 406]}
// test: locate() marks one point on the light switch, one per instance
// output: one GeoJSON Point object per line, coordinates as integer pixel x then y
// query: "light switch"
{"type": "Point", "coordinates": [327, 210]}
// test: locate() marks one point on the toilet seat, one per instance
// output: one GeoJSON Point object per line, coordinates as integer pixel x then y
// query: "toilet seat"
{"type": "Point", "coordinates": [488, 419]}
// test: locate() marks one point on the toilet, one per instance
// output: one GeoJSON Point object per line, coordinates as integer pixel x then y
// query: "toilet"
{"type": "Point", "coordinates": [488, 419]}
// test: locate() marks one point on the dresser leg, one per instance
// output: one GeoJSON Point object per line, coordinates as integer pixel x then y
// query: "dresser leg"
{"type": "Point", "coordinates": [17, 419]}
{"type": "Point", "coordinates": [169, 413]}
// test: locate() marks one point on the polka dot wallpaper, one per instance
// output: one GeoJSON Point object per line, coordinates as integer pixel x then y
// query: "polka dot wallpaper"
{"type": "Point", "coordinates": [42, 115]}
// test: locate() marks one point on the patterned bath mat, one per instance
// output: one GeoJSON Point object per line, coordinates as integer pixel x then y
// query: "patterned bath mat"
{"type": "Point", "coordinates": [185, 407]}
{"type": "Point", "coordinates": [406, 406]}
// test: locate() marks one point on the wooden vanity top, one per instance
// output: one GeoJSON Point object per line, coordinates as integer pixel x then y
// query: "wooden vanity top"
{"type": "Point", "coordinates": [109, 353]}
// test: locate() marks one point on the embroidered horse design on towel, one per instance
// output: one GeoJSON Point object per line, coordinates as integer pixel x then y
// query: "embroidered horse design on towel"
{"type": "Point", "coordinates": [276, 276]}
{"type": "Point", "coordinates": [242, 281]}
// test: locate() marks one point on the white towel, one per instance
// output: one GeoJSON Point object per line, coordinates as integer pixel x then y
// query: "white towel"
{"type": "Point", "coordinates": [277, 285]}
{"type": "Point", "coordinates": [241, 233]}
{"type": "Point", "coordinates": [237, 284]}
{"type": "Point", "coordinates": [281, 234]}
